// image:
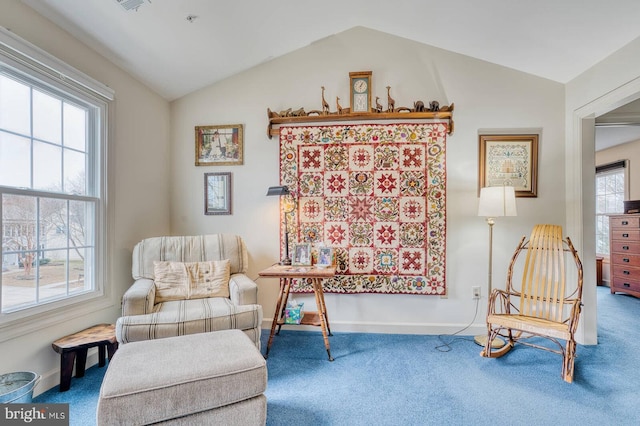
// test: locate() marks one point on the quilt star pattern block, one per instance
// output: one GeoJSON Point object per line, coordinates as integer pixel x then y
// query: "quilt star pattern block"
{"type": "Point", "coordinates": [377, 195]}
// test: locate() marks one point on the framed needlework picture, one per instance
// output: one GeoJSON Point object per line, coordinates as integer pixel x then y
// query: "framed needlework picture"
{"type": "Point", "coordinates": [510, 160]}
{"type": "Point", "coordinates": [219, 145]}
{"type": "Point", "coordinates": [217, 193]}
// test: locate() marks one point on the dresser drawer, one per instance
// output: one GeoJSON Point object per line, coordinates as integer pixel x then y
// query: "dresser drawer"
{"type": "Point", "coordinates": [624, 222]}
{"type": "Point", "coordinates": [626, 273]}
{"type": "Point", "coordinates": [620, 284]}
{"type": "Point", "coordinates": [625, 234]}
{"type": "Point", "coordinates": [623, 260]}
{"type": "Point", "coordinates": [618, 246]}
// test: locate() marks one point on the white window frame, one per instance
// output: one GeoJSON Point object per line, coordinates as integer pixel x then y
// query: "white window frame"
{"type": "Point", "coordinates": [614, 167]}
{"type": "Point", "coordinates": [20, 55]}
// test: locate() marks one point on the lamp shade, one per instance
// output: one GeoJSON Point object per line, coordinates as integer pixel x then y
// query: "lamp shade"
{"type": "Point", "coordinates": [496, 201]}
{"type": "Point", "coordinates": [278, 190]}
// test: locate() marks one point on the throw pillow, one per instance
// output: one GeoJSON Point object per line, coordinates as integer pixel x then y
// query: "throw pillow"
{"type": "Point", "coordinates": [208, 279]}
{"type": "Point", "coordinates": [171, 281]}
{"type": "Point", "coordinates": [191, 280]}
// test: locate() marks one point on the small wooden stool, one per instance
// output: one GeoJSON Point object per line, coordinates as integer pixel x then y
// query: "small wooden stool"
{"type": "Point", "coordinates": [76, 345]}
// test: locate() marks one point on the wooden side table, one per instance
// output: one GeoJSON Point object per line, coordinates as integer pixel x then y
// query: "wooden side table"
{"type": "Point", "coordinates": [74, 348]}
{"type": "Point", "coordinates": [318, 318]}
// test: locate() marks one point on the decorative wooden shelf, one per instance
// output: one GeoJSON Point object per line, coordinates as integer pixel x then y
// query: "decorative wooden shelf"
{"type": "Point", "coordinates": [445, 113]}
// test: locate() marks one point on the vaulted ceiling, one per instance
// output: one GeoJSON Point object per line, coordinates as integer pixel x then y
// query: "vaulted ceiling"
{"type": "Point", "coordinates": [176, 47]}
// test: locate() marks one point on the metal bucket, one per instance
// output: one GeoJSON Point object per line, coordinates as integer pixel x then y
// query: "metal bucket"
{"type": "Point", "coordinates": [17, 387]}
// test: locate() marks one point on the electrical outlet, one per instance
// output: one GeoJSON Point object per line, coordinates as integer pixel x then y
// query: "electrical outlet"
{"type": "Point", "coordinates": [475, 292]}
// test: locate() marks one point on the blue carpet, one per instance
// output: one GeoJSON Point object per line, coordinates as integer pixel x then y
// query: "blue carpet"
{"type": "Point", "coordinates": [390, 379]}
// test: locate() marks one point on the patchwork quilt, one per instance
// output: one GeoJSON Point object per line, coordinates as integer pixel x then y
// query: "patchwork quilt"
{"type": "Point", "coordinates": [376, 194]}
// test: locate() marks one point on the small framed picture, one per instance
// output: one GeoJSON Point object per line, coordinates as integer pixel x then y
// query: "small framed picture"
{"type": "Point", "coordinates": [219, 145]}
{"type": "Point", "coordinates": [217, 193]}
{"type": "Point", "coordinates": [510, 160]}
{"type": "Point", "coordinates": [301, 254]}
{"type": "Point", "coordinates": [325, 257]}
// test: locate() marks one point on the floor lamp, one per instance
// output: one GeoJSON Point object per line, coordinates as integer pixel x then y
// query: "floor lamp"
{"type": "Point", "coordinates": [283, 191]}
{"type": "Point", "coordinates": [495, 201]}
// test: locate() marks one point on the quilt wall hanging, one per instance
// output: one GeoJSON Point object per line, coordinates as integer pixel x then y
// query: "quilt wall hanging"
{"type": "Point", "coordinates": [377, 195]}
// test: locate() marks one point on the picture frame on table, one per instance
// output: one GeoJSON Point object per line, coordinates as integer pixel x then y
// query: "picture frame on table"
{"type": "Point", "coordinates": [509, 160]}
{"type": "Point", "coordinates": [220, 145]}
{"type": "Point", "coordinates": [325, 257]}
{"type": "Point", "coordinates": [217, 193]}
{"type": "Point", "coordinates": [301, 254]}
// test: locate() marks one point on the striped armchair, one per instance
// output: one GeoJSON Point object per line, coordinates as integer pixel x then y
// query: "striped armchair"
{"type": "Point", "coordinates": [145, 315]}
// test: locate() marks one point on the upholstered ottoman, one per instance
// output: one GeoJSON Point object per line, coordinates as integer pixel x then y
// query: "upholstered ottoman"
{"type": "Point", "coordinates": [206, 378]}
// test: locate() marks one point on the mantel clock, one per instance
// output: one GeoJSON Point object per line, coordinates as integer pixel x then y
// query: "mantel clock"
{"type": "Point", "coordinates": [360, 87]}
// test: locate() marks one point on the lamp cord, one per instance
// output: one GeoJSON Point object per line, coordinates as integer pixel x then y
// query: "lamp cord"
{"type": "Point", "coordinates": [446, 346]}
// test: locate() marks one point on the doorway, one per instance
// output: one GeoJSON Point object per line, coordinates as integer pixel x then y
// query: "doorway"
{"type": "Point", "coordinates": [617, 143]}
{"type": "Point", "coordinates": [580, 192]}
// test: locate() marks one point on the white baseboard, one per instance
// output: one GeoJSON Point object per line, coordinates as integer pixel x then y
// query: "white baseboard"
{"type": "Point", "coordinates": [389, 328]}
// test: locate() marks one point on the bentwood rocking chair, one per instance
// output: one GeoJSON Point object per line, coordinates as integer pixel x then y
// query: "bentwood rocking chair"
{"type": "Point", "coordinates": [543, 303]}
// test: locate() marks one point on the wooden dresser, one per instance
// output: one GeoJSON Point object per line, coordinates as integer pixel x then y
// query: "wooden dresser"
{"type": "Point", "coordinates": [624, 240]}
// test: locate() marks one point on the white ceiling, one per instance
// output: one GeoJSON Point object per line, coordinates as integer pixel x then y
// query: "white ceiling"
{"type": "Point", "coordinates": [554, 39]}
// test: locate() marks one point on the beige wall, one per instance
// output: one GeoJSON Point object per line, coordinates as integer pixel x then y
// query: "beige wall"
{"type": "Point", "coordinates": [138, 199]}
{"type": "Point", "coordinates": [628, 151]}
{"type": "Point", "coordinates": [486, 96]}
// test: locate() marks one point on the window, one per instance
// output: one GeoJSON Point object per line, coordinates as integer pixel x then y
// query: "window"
{"type": "Point", "coordinates": [53, 125]}
{"type": "Point", "coordinates": [610, 196]}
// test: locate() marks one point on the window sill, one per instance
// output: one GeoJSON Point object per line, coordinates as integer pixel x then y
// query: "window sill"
{"type": "Point", "coordinates": [21, 323]}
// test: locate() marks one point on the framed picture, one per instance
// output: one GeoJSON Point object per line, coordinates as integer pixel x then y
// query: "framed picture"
{"type": "Point", "coordinates": [219, 145]}
{"type": "Point", "coordinates": [301, 254]}
{"type": "Point", "coordinates": [510, 160]}
{"type": "Point", "coordinates": [217, 193]}
{"type": "Point", "coordinates": [325, 257]}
